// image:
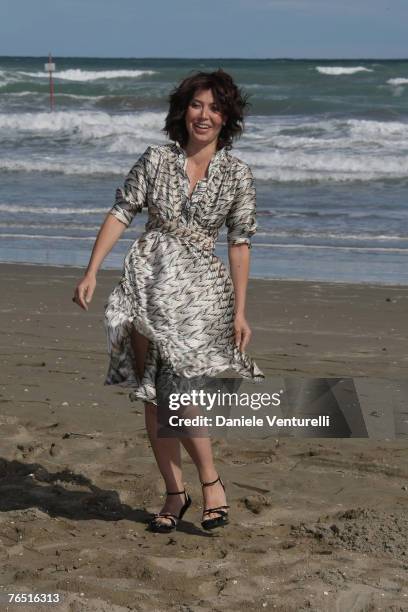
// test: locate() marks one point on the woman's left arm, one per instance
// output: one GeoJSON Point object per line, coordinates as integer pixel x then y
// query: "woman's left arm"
{"type": "Point", "coordinates": [239, 260]}
{"type": "Point", "coordinates": [241, 223]}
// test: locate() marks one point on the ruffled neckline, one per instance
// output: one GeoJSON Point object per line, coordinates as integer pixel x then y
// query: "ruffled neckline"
{"type": "Point", "coordinates": [214, 164]}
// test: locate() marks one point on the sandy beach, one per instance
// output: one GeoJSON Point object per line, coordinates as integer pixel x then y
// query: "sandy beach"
{"type": "Point", "coordinates": [316, 524]}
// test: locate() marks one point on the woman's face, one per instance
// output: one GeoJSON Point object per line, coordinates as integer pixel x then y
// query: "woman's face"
{"type": "Point", "coordinates": [203, 118]}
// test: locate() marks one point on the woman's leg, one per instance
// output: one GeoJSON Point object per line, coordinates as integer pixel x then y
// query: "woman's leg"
{"type": "Point", "coordinates": [200, 451]}
{"type": "Point", "coordinates": [167, 451]}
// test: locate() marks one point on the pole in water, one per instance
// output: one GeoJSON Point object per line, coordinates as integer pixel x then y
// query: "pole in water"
{"type": "Point", "coordinates": [50, 67]}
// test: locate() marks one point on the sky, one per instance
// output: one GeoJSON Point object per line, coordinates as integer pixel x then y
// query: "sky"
{"type": "Point", "coordinates": [332, 29]}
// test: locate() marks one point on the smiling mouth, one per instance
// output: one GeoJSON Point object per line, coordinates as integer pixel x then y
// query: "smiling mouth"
{"type": "Point", "coordinates": [201, 126]}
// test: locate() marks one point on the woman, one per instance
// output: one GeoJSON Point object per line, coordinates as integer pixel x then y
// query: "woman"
{"type": "Point", "coordinates": [176, 307]}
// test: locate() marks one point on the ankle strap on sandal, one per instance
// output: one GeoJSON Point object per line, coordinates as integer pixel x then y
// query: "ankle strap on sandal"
{"type": "Point", "coordinates": [175, 492]}
{"type": "Point", "coordinates": [207, 484]}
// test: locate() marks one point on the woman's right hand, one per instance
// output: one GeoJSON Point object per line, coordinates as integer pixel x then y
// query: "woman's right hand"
{"type": "Point", "coordinates": [84, 291]}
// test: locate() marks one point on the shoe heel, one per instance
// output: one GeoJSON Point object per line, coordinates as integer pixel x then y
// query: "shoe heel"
{"type": "Point", "coordinates": [221, 520]}
{"type": "Point", "coordinates": [186, 506]}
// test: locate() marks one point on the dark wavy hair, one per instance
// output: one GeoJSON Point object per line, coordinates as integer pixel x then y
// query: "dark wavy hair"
{"type": "Point", "coordinates": [230, 99]}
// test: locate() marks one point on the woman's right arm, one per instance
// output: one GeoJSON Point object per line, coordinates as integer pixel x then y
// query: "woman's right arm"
{"type": "Point", "coordinates": [109, 233]}
{"type": "Point", "coordinates": [129, 200]}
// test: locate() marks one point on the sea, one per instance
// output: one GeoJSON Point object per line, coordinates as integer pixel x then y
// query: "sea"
{"type": "Point", "coordinates": [327, 141]}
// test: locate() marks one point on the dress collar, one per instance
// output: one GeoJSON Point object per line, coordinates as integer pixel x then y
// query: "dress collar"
{"type": "Point", "coordinates": [216, 160]}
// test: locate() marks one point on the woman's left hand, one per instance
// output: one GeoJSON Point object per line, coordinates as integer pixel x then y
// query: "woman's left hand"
{"type": "Point", "coordinates": [242, 332]}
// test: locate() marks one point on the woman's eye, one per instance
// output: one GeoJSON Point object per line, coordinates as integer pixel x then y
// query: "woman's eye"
{"type": "Point", "coordinates": [214, 109]}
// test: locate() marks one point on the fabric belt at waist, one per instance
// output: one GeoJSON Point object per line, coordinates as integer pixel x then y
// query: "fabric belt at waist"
{"type": "Point", "coordinates": [200, 239]}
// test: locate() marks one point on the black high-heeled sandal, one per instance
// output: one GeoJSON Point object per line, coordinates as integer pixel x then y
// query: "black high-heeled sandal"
{"type": "Point", "coordinates": [218, 521]}
{"type": "Point", "coordinates": [158, 527]}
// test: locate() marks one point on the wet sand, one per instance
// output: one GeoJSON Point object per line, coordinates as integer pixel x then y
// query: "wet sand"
{"type": "Point", "coordinates": [316, 524]}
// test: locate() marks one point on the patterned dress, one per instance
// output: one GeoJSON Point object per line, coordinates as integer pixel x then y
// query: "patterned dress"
{"type": "Point", "coordinates": [174, 290]}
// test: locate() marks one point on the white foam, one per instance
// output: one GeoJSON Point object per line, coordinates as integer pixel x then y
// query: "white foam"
{"type": "Point", "coordinates": [336, 150]}
{"type": "Point", "coordinates": [52, 210]}
{"type": "Point", "coordinates": [7, 77]}
{"type": "Point", "coordinates": [45, 94]}
{"type": "Point", "coordinates": [337, 70]}
{"type": "Point", "coordinates": [324, 235]}
{"type": "Point", "coordinates": [76, 74]}
{"type": "Point", "coordinates": [398, 81]}
{"type": "Point", "coordinates": [18, 94]}
{"type": "Point", "coordinates": [354, 140]}
{"type": "Point", "coordinates": [54, 237]}
{"type": "Point", "coordinates": [86, 125]}
{"type": "Point", "coordinates": [53, 226]}
{"type": "Point", "coordinates": [320, 247]}
{"type": "Point", "coordinates": [327, 133]}
{"type": "Point", "coordinates": [287, 149]}
{"type": "Point", "coordinates": [304, 247]}
{"type": "Point", "coordinates": [328, 164]}
{"type": "Point", "coordinates": [51, 164]}
{"type": "Point", "coordinates": [278, 166]}
{"type": "Point", "coordinates": [77, 96]}
{"type": "Point", "coordinates": [380, 130]}
{"type": "Point", "coordinates": [46, 236]}
{"type": "Point", "coordinates": [338, 212]}
{"type": "Point", "coordinates": [128, 127]}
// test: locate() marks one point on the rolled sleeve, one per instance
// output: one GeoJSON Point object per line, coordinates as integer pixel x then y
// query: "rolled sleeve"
{"type": "Point", "coordinates": [241, 218]}
{"type": "Point", "coordinates": [131, 198]}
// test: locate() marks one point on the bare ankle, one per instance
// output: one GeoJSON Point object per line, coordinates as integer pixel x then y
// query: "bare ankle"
{"type": "Point", "coordinates": [208, 475]}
